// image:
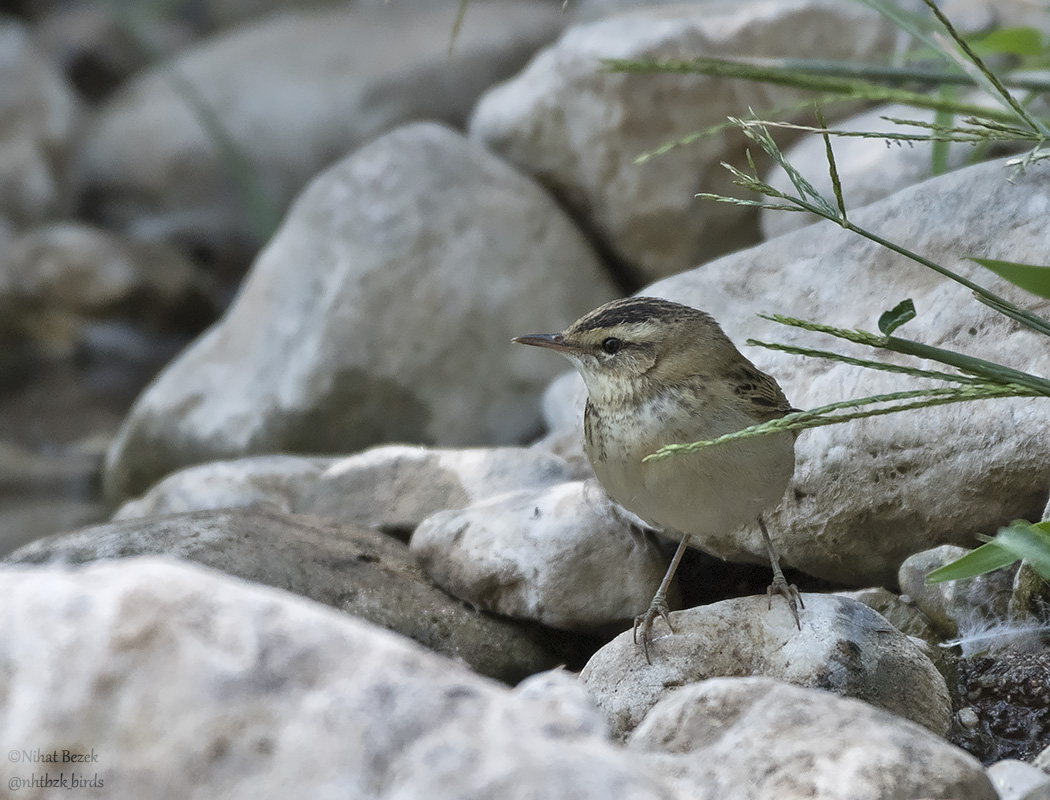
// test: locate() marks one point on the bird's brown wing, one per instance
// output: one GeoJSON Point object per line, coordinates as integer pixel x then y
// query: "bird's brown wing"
{"type": "Point", "coordinates": [761, 391]}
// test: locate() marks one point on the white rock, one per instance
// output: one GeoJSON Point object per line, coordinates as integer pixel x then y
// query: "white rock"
{"type": "Point", "coordinates": [294, 92]}
{"type": "Point", "coordinates": [561, 696]}
{"type": "Point", "coordinates": [565, 556]}
{"type": "Point", "coordinates": [392, 487]}
{"type": "Point", "coordinates": [381, 311]}
{"type": "Point", "coordinates": [397, 486]}
{"type": "Point", "coordinates": [870, 493]}
{"type": "Point", "coordinates": [180, 677]}
{"type": "Point", "coordinates": [1043, 760]}
{"type": "Point", "coordinates": [578, 127]}
{"type": "Point", "coordinates": [1016, 780]}
{"type": "Point", "coordinates": [843, 647]}
{"type": "Point", "coordinates": [956, 608]}
{"type": "Point", "coordinates": [904, 616]}
{"type": "Point", "coordinates": [40, 114]}
{"type": "Point", "coordinates": [751, 738]}
{"type": "Point", "coordinates": [359, 571]}
{"type": "Point", "coordinates": [265, 483]}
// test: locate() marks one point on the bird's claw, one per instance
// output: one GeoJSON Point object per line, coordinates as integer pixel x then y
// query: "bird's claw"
{"type": "Point", "coordinates": [789, 592]}
{"type": "Point", "coordinates": [658, 608]}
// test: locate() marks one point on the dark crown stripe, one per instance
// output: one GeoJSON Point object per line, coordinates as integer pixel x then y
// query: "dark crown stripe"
{"type": "Point", "coordinates": [634, 309]}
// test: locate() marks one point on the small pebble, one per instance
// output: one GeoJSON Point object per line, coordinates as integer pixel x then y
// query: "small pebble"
{"type": "Point", "coordinates": [968, 718]}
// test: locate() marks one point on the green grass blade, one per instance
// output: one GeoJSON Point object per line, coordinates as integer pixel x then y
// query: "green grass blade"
{"type": "Point", "coordinates": [996, 373]}
{"type": "Point", "coordinates": [977, 69]}
{"type": "Point", "coordinates": [833, 170]}
{"type": "Point", "coordinates": [1031, 278]}
{"type": "Point", "coordinates": [818, 417]}
{"type": "Point", "coordinates": [457, 26]}
{"type": "Point", "coordinates": [986, 558]}
{"type": "Point", "coordinates": [856, 89]}
{"type": "Point", "coordinates": [1029, 542]}
{"type": "Point", "coordinates": [988, 370]}
{"type": "Point", "coordinates": [883, 366]}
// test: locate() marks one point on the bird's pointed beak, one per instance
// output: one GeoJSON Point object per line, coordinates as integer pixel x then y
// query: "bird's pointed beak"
{"type": "Point", "coordinates": [552, 341]}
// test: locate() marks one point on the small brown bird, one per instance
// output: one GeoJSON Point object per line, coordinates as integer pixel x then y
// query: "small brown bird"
{"type": "Point", "coordinates": [660, 373]}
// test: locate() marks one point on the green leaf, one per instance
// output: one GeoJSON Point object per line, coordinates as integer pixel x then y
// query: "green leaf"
{"type": "Point", "coordinates": [1032, 278]}
{"type": "Point", "coordinates": [1029, 542]}
{"type": "Point", "coordinates": [1015, 41]}
{"type": "Point", "coordinates": [987, 557]}
{"type": "Point", "coordinates": [1019, 540]}
{"type": "Point", "coordinates": [896, 316]}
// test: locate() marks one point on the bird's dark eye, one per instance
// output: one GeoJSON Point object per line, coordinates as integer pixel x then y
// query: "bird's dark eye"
{"type": "Point", "coordinates": [612, 345]}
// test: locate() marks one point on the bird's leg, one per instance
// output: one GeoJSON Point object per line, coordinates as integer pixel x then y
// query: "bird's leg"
{"type": "Point", "coordinates": [658, 608]}
{"type": "Point", "coordinates": [780, 585]}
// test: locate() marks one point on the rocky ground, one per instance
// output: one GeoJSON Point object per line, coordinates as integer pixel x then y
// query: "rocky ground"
{"type": "Point", "coordinates": [284, 513]}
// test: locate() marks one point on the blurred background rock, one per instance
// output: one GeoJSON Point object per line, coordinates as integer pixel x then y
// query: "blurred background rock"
{"type": "Point", "coordinates": [147, 152]}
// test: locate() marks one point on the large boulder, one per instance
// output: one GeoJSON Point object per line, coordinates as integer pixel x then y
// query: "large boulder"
{"type": "Point", "coordinates": [173, 680]}
{"type": "Point", "coordinates": [812, 745]}
{"type": "Point", "coordinates": [381, 311]}
{"type": "Point", "coordinates": [562, 555]}
{"type": "Point", "coordinates": [579, 127]}
{"type": "Point", "coordinates": [362, 572]}
{"type": "Point", "coordinates": [842, 646]}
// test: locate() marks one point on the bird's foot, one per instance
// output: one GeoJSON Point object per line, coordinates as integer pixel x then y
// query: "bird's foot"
{"type": "Point", "coordinates": [780, 585]}
{"type": "Point", "coordinates": [657, 608]}
{"type": "Point", "coordinates": [789, 592]}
